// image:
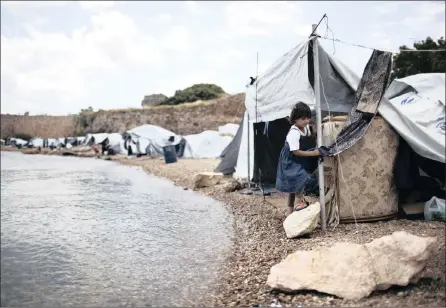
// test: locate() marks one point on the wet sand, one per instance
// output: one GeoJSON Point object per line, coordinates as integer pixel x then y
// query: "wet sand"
{"type": "Point", "coordinates": [260, 243]}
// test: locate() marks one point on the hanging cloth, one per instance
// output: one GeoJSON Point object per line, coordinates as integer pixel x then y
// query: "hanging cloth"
{"type": "Point", "coordinates": [370, 91]}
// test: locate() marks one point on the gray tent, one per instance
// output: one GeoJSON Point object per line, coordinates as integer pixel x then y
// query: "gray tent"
{"type": "Point", "coordinates": [288, 81]}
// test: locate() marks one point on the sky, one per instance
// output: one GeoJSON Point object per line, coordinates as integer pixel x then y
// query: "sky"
{"type": "Point", "coordinates": [58, 57]}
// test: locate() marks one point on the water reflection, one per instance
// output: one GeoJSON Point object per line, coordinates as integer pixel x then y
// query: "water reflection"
{"type": "Point", "coordinates": [85, 232]}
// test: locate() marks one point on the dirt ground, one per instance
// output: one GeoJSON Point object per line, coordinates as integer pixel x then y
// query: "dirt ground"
{"type": "Point", "coordinates": [260, 242]}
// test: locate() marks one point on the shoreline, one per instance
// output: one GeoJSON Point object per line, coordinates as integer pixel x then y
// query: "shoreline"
{"type": "Point", "coordinates": [259, 242]}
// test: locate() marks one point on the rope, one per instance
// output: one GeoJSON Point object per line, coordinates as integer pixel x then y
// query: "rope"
{"type": "Point", "coordinates": [381, 49]}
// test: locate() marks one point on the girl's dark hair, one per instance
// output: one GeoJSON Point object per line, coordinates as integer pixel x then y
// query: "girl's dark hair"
{"type": "Point", "coordinates": [300, 110]}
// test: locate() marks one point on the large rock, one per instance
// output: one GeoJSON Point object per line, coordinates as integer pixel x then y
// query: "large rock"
{"type": "Point", "coordinates": [354, 271]}
{"type": "Point", "coordinates": [207, 179]}
{"type": "Point", "coordinates": [153, 100]}
{"type": "Point", "coordinates": [302, 222]}
{"type": "Point", "coordinates": [232, 185]}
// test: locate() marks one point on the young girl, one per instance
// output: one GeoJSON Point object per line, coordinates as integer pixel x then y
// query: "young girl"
{"type": "Point", "coordinates": [295, 161]}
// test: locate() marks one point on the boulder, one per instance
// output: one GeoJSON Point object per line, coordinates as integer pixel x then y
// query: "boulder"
{"type": "Point", "coordinates": [232, 185]}
{"type": "Point", "coordinates": [153, 100]}
{"type": "Point", "coordinates": [302, 222]}
{"type": "Point", "coordinates": [207, 179]}
{"type": "Point", "coordinates": [354, 271]}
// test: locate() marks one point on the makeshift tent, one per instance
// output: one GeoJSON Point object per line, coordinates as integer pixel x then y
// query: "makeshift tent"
{"type": "Point", "coordinates": [35, 142]}
{"type": "Point", "coordinates": [415, 107]}
{"type": "Point", "coordinates": [290, 80]}
{"type": "Point", "coordinates": [207, 144]}
{"type": "Point", "coordinates": [53, 142]}
{"type": "Point", "coordinates": [229, 156]}
{"type": "Point", "coordinates": [92, 139]}
{"type": "Point", "coordinates": [271, 98]}
{"type": "Point", "coordinates": [73, 141]}
{"type": "Point", "coordinates": [150, 139]}
{"type": "Point", "coordinates": [17, 142]}
{"type": "Point", "coordinates": [114, 144]}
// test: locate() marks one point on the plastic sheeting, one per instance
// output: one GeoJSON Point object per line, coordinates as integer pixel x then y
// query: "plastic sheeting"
{"type": "Point", "coordinates": [415, 108]}
{"type": "Point", "coordinates": [150, 139]}
{"type": "Point", "coordinates": [288, 81]}
{"type": "Point", "coordinates": [98, 138]}
{"type": "Point", "coordinates": [116, 143]}
{"type": "Point", "coordinates": [18, 141]}
{"type": "Point", "coordinates": [229, 156]}
{"type": "Point", "coordinates": [208, 144]}
{"type": "Point", "coordinates": [155, 134]}
{"type": "Point", "coordinates": [241, 169]}
{"type": "Point", "coordinates": [37, 142]}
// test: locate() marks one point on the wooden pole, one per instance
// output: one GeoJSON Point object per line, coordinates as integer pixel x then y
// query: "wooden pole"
{"type": "Point", "coordinates": [317, 92]}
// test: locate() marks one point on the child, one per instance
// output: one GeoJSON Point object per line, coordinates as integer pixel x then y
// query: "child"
{"type": "Point", "coordinates": [295, 160]}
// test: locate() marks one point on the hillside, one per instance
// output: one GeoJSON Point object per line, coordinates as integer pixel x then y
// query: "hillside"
{"type": "Point", "coordinates": [184, 119]}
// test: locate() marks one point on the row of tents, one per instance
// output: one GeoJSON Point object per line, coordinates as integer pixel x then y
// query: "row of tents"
{"type": "Point", "coordinates": [413, 106]}
{"type": "Point", "coordinates": [144, 140]}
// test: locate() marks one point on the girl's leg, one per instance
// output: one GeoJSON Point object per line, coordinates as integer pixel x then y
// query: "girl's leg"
{"type": "Point", "coordinates": [291, 199]}
{"type": "Point", "coordinates": [301, 204]}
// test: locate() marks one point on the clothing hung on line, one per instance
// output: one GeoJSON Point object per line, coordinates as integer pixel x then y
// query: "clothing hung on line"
{"type": "Point", "coordinates": [370, 91]}
{"type": "Point", "coordinates": [293, 171]}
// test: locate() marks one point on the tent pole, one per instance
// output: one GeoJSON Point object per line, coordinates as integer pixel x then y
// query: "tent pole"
{"type": "Point", "coordinates": [249, 165]}
{"type": "Point", "coordinates": [319, 126]}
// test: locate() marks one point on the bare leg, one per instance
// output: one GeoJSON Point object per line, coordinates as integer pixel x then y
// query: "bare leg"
{"type": "Point", "coordinates": [291, 199]}
{"type": "Point", "coordinates": [300, 200]}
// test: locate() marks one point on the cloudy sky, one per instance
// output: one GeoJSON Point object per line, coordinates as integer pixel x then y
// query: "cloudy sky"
{"type": "Point", "coordinates": [60, 56]}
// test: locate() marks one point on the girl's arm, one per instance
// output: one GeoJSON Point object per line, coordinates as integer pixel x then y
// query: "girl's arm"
{"type": "Point", "coordinates": [307, 153]}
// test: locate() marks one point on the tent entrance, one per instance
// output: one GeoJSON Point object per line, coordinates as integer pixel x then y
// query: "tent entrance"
{"type": "Point", "coordinates": [269, 138]}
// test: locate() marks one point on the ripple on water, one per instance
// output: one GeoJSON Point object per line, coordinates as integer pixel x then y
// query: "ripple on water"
{"type": "Point", "coordinates": [84, 232]}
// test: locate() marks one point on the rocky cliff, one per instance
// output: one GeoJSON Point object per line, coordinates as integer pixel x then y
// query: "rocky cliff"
{"type": "Point", "coordinates": [189, 118]}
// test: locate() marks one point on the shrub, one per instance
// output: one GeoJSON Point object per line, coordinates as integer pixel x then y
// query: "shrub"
{"type": "Point", "coordinates": [202, 91]}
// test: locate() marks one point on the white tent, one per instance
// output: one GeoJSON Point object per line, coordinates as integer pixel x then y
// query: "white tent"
{"type": "Point", "coordinates": [36, 142]}
{"type": "Point", "coordinates": [207, 144]}
{"type": "Point", "coordinates": [53, 142]}
{"type": "Point", "coordinates": [18, 141]}
{"type": "Point", "coordinates": [416, 110]}
{"type": "Point", "coordinates": [116, 143]}
{"type": "Point", "coordinates": [91, 139]}
{"type": "Point", "coordinates": [288, 81]}
{"type": "Point", "coordinates": [150, 139]}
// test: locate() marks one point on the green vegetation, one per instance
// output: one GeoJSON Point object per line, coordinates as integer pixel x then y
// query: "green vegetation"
{"type": "Point", "coordinates": [411, 63]}
{"type": "Point", "coordinates": [89, 109]}
{"type": "Point", "coordinates": [202, 91]}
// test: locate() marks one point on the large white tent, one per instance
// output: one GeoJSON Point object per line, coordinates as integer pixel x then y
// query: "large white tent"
{"type": "Point", "coordinates": [207, 144]}
{"type": "Point", "coordinates": [414, 106]}
{"type": "Point", "coordinates": [150, 139]}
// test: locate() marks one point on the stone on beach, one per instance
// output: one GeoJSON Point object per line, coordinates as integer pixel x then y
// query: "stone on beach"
{"type": "Point", "coordinates": [207, 179]}
{"type": "Point", "coordinates": [302, 222]}
{"type": "Point", "coordinates": [232, 185]}
{"type": "Point", "coordinates": [354, 271]}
